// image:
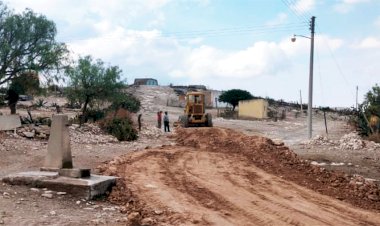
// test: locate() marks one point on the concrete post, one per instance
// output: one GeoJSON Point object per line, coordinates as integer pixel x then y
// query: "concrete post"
{"type": "Point", "coordinates": [59, 152]}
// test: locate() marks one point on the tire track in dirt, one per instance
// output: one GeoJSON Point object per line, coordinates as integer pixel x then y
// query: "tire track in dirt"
{"type": "Point", "coordinates": [207, 197]}
{"type": "Point", "coordinates": [267, 204]}
{"type": "Point", "coordinates": [191, 185]}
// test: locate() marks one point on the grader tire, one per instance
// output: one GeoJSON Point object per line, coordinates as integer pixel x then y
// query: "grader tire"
{"type": "Point", "coordinates": [209, 120]}
{"type": "Point", "coordinates": [184, 121]}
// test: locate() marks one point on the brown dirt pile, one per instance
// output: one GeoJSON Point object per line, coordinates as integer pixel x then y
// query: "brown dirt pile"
{"type": "Point", "coordinates": [277, 159]}
{"type": "Point", "coordinates": [215, 176]}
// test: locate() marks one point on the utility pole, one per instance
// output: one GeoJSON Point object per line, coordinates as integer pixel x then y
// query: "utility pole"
{"type": "Point", "coordinates": [357, 90]}
{"type": "Point", "coordinates": [310, 104]}
{"type": "Point", "coordinates": [301, 102]}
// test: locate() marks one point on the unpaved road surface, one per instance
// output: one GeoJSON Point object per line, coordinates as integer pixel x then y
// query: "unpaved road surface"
{"type": "Point", "coordinates": [217, 176]}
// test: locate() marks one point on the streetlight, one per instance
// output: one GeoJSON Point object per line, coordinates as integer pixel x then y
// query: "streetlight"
{"type": "Point", "coordinates": [310, 104]}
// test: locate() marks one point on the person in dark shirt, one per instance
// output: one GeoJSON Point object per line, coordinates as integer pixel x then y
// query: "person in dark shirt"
{"type": "Point", "coordinates": [166, 122]}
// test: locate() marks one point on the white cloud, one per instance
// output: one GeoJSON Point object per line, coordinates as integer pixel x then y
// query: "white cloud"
{"type": "Point", "coordinates": [128, 33]}
{"type": "Point", "coordinates": [263, 58]}
{"type": "Point", "coordinates": [368, 43]}
{"type": "Point", "coordinates": [345, 6]}
{"type": "Point", "coordinates": [202, 2]}
{"type": "Point", "coordinates": [84, 13]}
{"type": "Point", "coordinates": [303, 5]}
{"type": "Point", "coordinates": [377, 22]}
{"type": "Point", "coordinates": [281, 18]}
{"type": "Point", "coordinates": [354, 1]}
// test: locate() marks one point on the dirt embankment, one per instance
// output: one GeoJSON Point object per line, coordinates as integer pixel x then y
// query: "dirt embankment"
{"type": "Point", "coordinates": [223, 177]}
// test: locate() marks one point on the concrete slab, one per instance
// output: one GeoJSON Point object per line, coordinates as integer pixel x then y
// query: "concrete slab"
{"type": "Point", "coordinates": [75, 173]}
{"type": "Point", "coordinates": [87, 188]}
{"type": "Point", "coordinates": [9, 122]}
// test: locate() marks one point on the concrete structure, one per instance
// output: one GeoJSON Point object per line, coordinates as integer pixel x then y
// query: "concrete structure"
{"type": "Point", "coordinates": [58, 173]}
{"type": "Point", "coordinates": [146, 81]}
{"type": "Point", "coordinates": [59, 151]}
{"type": "Point", "coordinates": [253, 109]}
{"type": "Point", "coordinates": [215, 99]}
{"type": "Point", "coordinates": [9, 122]}
{"type": "Point", "coordinates": [87, 188]}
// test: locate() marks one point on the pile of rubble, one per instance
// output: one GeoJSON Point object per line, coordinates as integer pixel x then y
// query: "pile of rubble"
{"type": "Point", "coordinates": [150, 132]}
{"type": "Point", "coordinates": [154, 97]}
{"type": "Point", "coordinates": [89, 134]}
{"type": "Point", "coordinates": [350, 141]}
{"type": "Point", "coordinates": [365, 188]}
{"type": "Point", "coordinates": [320, 140]}
{"type": "Point", "coordinates": [34, 131]}
{"type": "Point", "coordinates": [86, 134]}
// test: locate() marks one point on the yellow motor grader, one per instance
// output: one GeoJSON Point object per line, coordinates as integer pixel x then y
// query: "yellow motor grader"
{"type": "Point", "coordinates": [194, 113]}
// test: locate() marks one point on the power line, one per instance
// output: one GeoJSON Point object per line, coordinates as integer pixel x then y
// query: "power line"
{"type": "Point", "coordinates": [301, 11]}
{"type": "Point", "coordinates": [338, 65]}
{"type": "Point", "coordinates": [233, 29]}
{"type": "Point", "coordinates": [293, 5]}
{"type": "Point", "coordinates": [248, 30]}
{"type": "Point", "coordinates": [292, 10]}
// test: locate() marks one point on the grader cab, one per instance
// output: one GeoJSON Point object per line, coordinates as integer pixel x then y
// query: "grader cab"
{"type": "Point", "coordinates": [194, 113]}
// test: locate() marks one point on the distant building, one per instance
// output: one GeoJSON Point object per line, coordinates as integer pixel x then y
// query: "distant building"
{"type": "Point", "coordinates": [257, 108]}
{"type": "Point", "coordinates": [215, 99]}
{"type": "Point", "coordinates": [146, 81]}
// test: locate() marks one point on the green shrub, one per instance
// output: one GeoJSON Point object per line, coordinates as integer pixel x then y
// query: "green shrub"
{"type": "Point", "coordinates": [127, 102]}
{"type": "Point", "coordinates": [40, 103]}
{"type": "Point", "coordinates": [2, 100]}
{"type": "Point", "coordinates": [94, 114]}
{"type": "Point", "coordinates": [120, 125]}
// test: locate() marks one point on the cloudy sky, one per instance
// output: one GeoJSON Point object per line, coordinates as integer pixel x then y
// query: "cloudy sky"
{"type": "Point", "coordinates": [227, 44]}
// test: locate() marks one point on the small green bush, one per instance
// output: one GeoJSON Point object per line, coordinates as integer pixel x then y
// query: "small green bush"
{"type": "Point", "coordinates": [120, 125]}
{"type": "Point", "coordinates": [40, 103]}
{"type": "Point", "coordinates": [2, 100]}
{"type": "Point", "coordinates": [127, 102]}
{"type": "Point", "coordinates": [95, 114]}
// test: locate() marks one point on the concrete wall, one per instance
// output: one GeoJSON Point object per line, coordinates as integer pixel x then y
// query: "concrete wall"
{"type": "Point", "coordinates": [216, 94]}
{"type": "Point", "coordinates": [253, 109]}
{"type": "Point", "coordinates": [208, 100]}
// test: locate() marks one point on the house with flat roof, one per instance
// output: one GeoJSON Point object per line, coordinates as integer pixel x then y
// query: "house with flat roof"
{"type": "Point", "coordinates": [146, 81]}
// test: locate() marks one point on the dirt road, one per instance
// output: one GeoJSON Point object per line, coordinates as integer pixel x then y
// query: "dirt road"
{"type": "Point", "coordinates": [221, 177]}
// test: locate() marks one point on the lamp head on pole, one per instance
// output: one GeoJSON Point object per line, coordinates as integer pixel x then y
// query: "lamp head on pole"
{"type": "Point", "coordinates": [294, 38]}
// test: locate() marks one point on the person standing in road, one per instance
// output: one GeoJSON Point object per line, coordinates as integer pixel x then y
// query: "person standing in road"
{"type": "Point", "coordinates": [166, 122]}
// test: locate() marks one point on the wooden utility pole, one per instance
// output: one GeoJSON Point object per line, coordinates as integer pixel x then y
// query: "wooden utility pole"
{"type": "Point", "coordinates": [324, 116]}
{"type": "Point", "coordinates": [301, 102]}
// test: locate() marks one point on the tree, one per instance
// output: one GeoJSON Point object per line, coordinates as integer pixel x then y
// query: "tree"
{"type": "Point", "coordinates": [368, 114]}
{"type": "Point", "coordinates": [26, 83]}
{"type": "Point", "coordinates": [27, 42]}
{"type": "Point", "coordinates": [372, 101]}
{"type": "Point", "coordinates": [127, 102]}
{"type": "Point", "coordinates": [91, 80]}
{"type": "Point", "coordinates": [233, 97]}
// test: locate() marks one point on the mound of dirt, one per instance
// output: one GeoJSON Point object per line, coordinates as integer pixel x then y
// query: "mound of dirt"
{"type": "Point", "coordinates": [220, 176]}
{"type": "Point", "coordinates": [280, 161]}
